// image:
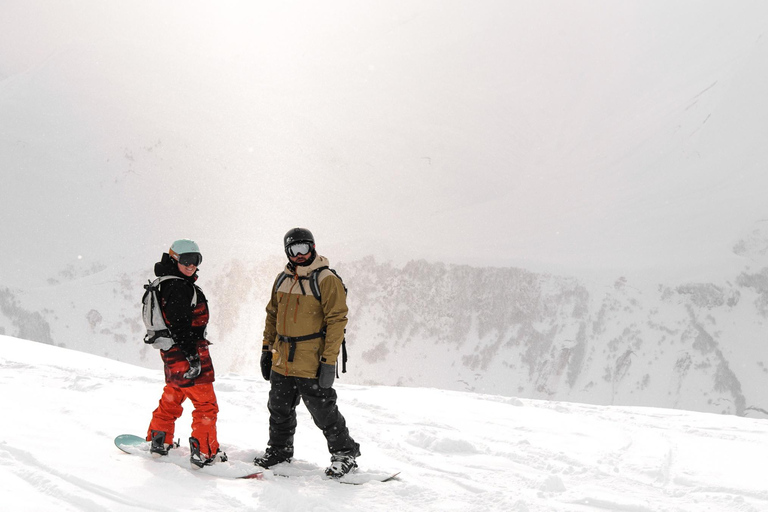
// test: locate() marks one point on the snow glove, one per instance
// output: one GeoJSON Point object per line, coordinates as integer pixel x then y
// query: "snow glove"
{"type": "Point", "coordinates": [266, 364]}
{"type": "Point", "coordinates": [194, 367]}
{"type": "Point", "coordinates": [162, 343]}
{"type": "Point", "coordinates": [326, 375]}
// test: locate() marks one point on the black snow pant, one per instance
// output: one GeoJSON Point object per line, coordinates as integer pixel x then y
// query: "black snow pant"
{"type": "Point", "coordinates": [284, 396]}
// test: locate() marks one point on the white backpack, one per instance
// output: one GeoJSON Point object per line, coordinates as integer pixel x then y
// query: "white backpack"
{"type": "Point", "coordinates": [158, 335]}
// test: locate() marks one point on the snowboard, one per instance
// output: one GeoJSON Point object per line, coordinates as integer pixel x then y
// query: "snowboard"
{"type": "Point", "coordinates": [136, 445]}
{"type": "Point", "coordinates": [307, 470]}
{"type": "Point", "coordinates": [361, 478]}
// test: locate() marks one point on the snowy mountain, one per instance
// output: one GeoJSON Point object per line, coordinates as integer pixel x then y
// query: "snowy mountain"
{"type": "Point", "coordinates": [502, 331]}
{"type": "Point", "coordinates": [455, 451]}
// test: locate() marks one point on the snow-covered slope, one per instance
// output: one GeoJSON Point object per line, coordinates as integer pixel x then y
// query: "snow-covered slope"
{"type": "Point", "coordinates": [456, 451]}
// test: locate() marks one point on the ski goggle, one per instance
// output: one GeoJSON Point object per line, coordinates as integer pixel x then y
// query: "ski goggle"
{"type": "Point", "coordinates": [299, 248]}
{"type": "Point", "coordinates": [190, 258]}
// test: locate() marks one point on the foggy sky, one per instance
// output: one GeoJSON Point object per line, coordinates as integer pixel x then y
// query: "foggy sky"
{"type": "Point", "coordinates": [548, 134]}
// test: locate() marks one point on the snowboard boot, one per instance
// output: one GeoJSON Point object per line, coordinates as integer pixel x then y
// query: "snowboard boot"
{"type": "Point", "coordinates": [159, 446]}
{"type": "Point", "coordinates": [274, 455]}
{"type": "Point", "coordinates": [341, 464]}
{"type": "Point", "coordinates": [202, 459]}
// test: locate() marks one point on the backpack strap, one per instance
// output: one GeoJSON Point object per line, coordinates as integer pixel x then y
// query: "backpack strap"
{"type": "Point", "coordinates": [314, 285]}
{"type": "Point", "coordinates": [314, 280]}
{"type": "Point", "coordinates": [343, 356]}
{"type": "Point", "coordinates": [282, 277]}
{"type": "Point", "coordinates": [155, 285]}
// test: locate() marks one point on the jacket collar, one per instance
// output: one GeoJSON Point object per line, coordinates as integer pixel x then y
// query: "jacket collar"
{"type": "Point", "coordinates": [320, 261]}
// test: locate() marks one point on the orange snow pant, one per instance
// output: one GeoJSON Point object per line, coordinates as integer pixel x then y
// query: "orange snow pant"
{"type": "Point", "coordinates": [203, 417]}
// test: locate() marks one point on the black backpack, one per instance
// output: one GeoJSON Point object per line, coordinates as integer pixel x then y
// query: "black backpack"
{"type": "Point", "coordinates": [315, 289]}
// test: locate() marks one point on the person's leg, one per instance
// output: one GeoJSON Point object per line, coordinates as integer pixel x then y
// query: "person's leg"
{"type": "Point", "coordinates": [168, 411]}
{"type": "Point", "coordinates": [321, 404]}
{"type": "Point", "coordinates": [283, 399]}
{"type": "Point", "coordinates": [204, 417]}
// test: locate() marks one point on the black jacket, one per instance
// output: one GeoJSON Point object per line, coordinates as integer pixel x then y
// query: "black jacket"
{"type": "Point", "coordinates": [186, 322]}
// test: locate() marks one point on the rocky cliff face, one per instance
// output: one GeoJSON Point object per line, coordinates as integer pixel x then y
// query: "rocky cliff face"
{"type": "Point", "coordinates": [504, 331]}
{"type": "Point", "coordinates": [513, 332]}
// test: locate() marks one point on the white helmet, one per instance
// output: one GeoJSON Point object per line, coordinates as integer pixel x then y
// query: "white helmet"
{"type": "Point", "coordinates": [186, 252]}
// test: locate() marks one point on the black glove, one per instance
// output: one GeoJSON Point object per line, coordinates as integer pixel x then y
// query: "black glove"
{"type": "Point", "coordinates": [327, 374]}
{"type": "Point", "coordinates": [194, 367]}
{"type": "Point", "coordinates": [266, 364]}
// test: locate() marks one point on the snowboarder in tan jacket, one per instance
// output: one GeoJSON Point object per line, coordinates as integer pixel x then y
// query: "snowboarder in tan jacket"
{"type": "Point", "coordinates": [302, 341]}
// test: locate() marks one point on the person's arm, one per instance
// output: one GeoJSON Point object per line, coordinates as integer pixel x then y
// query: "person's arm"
{"type": "Point", "coordinates": [333, 299]}
{"type": "Point", "coordinates": [270, 332]}
{"type": "Point", "coordinates": [270, 324]}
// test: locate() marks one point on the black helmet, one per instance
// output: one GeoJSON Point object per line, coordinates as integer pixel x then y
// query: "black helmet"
{"type": "Point", "coordinates": [298, 236]}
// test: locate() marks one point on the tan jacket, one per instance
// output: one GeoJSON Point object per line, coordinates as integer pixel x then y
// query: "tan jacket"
{"type": "Point", "coordinates": [293, 311]}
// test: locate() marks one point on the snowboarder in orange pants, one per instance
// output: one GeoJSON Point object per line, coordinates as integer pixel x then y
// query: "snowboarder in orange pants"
{"type": "Point", "coordinates": [188, 368]}
{"type": "Point", "coordinates": [203, 417]}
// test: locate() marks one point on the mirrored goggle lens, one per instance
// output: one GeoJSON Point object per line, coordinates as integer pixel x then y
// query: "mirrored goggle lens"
{"type": "Point", "coordinates": [300, 248]}
{"type": "Point", "coordinates": [191, 258]}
